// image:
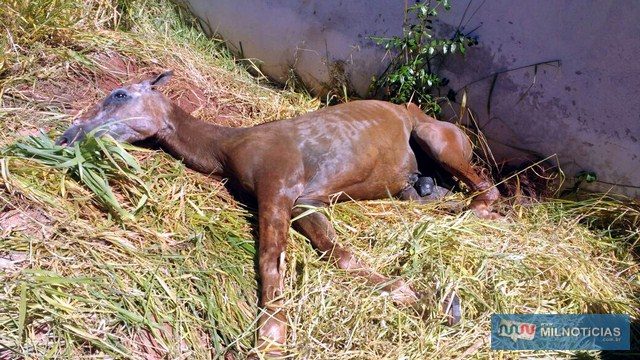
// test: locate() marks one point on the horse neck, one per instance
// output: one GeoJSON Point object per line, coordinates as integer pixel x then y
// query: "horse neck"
{"type": "Point", "coordinates": [197, 143]}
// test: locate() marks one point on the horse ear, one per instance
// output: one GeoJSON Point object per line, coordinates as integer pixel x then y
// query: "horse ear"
{"type": "Point", "coordinates": [162, 78]}
{"type": "Point", "coordinates": [159, 80]}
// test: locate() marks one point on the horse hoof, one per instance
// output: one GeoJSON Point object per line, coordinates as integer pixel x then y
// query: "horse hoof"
{"type": "Point", "coordinates": [424, 186]}
{"type": "Point", "coordinates": [452, 309]}
{"type": "Point", "coordinates": [267, 348]}
{"type": "Point", "coordinates": [449, 306]}
{"type": "Point", "coordinates": [484, 212]}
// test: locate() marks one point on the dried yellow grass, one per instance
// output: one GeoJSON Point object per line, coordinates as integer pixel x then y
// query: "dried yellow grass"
{"type": "Point", "coordinates": [178, 280]}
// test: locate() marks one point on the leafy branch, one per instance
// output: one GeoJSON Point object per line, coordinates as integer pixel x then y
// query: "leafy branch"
{"type": "Point", "coordinates": [410, 76]}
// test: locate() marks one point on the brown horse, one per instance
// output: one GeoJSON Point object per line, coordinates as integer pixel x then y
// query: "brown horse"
{"type": "Point", "coordinates": [358, 150]}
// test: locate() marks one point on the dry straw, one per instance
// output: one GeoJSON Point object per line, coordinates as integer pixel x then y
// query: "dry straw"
{"type": "Point", "coordinates": [175, 279]}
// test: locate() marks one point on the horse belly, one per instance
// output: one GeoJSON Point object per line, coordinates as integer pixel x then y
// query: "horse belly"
{"type": "Point", "coordinates": [373, 173]}
{"type": "Point", "coordinates": [361, 151]}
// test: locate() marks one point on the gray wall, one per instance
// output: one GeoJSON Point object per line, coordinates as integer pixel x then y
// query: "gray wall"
{"type": "Point", "coordinates": [586, 110]}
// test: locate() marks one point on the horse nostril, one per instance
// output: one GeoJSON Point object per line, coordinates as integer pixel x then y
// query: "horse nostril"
{"type": "Point", "coordinates": [71, 135]}
{"type": "Point", "coordinates": [62, 141]}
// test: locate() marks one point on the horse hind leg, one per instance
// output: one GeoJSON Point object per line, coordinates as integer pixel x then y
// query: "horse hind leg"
{"type": "Point", "coordinates": [319, 230]}
{"type": "Point", "coordinates": [448, 145]}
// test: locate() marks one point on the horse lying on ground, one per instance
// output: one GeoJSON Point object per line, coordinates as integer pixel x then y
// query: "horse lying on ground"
{"type": "Point", "coordinates": [359, 150]}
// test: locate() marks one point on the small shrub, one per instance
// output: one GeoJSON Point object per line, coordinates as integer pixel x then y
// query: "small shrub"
{"type": "Point", "coordinates": [411, 76]}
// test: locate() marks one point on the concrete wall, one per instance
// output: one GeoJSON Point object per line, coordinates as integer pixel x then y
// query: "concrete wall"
{"type": "Point", "coordinates": [586, 110]}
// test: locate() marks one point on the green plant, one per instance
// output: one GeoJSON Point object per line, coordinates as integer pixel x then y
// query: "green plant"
{"type": "Point", "coordinates": [93, 161]}
{"type": "Point", "coordinates": [411, 75]}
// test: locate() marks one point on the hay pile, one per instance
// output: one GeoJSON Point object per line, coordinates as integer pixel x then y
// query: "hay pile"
{"type": "Point", "coordinates": [177, 280]}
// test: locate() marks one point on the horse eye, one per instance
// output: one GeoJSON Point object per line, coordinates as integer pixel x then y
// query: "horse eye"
{"type": "Point", "coordinates": [120, 95]}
